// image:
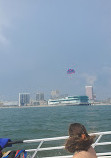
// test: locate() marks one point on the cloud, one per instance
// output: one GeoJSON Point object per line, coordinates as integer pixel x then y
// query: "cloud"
{"type": "Point", "coordinates": [107, 69]}
{"type": "Point", "coordinates": [107, 75]}
{"type": "Point", "coordinates": [90, 79]}
{"type": "Point", "coordinates": [3, 40]}
{"type": "Point", "coordinates": [4, 25]}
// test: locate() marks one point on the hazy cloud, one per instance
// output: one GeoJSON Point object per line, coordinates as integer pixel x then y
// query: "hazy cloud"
{"type": "Point", "coordinates": [3, 40]}
{"type": "Point", "coordinates": [41, 39]}
{"type": "Point", "coordinates": [107, 74]}
{"type": "Point", "coordinates": [4, 24]}
{"type": "Point", "coordinates": [107, 69]}
{"type": "Point", "coordinates": [90, 79]}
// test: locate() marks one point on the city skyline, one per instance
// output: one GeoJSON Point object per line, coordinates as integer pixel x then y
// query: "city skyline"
{"type": "Point", "coordinates": [40, 96]}
{"type": "Point", "coordinates": [41, 40]}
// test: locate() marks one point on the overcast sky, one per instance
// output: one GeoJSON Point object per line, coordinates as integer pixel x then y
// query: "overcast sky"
{"type": "Point", "coordinates": [41, 39]}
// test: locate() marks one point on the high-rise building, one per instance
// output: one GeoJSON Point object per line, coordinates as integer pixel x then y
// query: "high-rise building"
{"type": "Point", "coordinates": [89, 92]}
{"type": "Point", "coordinates": [39, 96]}
{"type": "Point", "coordinates": [24, 99]}
{"type": "Point", "coordinates": [54, 94]}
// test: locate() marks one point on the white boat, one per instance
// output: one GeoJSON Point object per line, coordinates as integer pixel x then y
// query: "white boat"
{"type": "Point", "coordinates": [35, 151]}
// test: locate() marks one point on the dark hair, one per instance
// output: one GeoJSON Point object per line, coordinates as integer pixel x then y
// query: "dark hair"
{"type": "Point", "coordinates": [79, 139]}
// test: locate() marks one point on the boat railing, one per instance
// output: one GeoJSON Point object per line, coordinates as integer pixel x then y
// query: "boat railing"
{"type": "Point", "coordinates": [39, 148]}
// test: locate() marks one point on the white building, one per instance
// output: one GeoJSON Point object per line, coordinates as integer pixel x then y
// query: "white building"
{"type": "Point", "coordinates": [55, 94]}
{"type": "Point", "coordinates": [24, 99]}
{"type": "Point", "coordinates": [70, 100]}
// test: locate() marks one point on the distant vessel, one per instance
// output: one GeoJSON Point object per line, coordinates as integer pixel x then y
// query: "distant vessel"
{"type": "Point", "coordinates": [70, 100]}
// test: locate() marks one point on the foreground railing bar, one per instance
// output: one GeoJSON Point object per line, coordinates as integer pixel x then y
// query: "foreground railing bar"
{"type": "Point", "coordinates": [45, 149]}
{"type": "Point", "coordinates": [103, 143]}
{"type": "Point", "coordinates": [62, 147]}
{"type": "Point", "coordinates": [60, 138]}
{"type": "Point", "coordinates": [104, 157]}
{"type": "Point", "coordinates": [108, 154]}
{"type": "Point", "coordinates": [93, 145]}
{"type": "Point", "coordinates": [37, 149]}
{"type": "Point", "coordinates": [69, 156]}
{"type": "Point", "coordinates": [101, 133]}
{"type": "Point", "coordinates": [103, 154]}
{"type": "Point", "coordinates": [72, 155]}
{"type": "Point", "coordinates": [97, 143]}
{"type": "Point", "coordinates": [45, 139]}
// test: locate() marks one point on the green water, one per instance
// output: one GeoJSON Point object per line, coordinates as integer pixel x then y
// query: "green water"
{"type": "Point", "coordinates": [45, 122]}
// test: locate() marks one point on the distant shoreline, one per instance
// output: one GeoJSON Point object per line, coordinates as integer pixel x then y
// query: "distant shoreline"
{"type": "Point", "coordinates": [51, 106]}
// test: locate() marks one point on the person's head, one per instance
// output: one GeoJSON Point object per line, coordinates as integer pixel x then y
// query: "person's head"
{"type": "Point", "coordinates": [78, 138]}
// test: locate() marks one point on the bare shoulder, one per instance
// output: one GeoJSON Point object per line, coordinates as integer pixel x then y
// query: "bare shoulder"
{"type": "Point", "coordinates": [91, 150]}
{"type": "Point", "coordinates": [76, 156]}
{"type": "Point", "coordinates": [86, 154]}
{"type": "Point", "coordinates": [79, 155]}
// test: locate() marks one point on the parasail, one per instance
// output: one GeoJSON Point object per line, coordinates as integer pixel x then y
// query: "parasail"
{"type": "Point", "coordinates": [70, 71]}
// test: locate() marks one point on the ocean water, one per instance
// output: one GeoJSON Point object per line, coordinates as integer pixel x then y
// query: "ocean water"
{"type": "Point", "coordinates": [45, 122]}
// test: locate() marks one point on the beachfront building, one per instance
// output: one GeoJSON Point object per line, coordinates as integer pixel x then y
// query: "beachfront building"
{"type": "Point", "coordinates": [70, 100]}
{"type": "Point", "coordinates": [89, 92]}
{"type": "Point", "coordinates": [24, 99]}
{"type": "Point", "coordinates": [39, 100]}
{"type": "Point", "coordinates": [55, 94]}
{"type": "Point", "coordinates": [39, 96]}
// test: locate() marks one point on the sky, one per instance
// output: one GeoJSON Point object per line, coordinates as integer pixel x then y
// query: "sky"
{"type": "Point", "coordinates": [41, 39]}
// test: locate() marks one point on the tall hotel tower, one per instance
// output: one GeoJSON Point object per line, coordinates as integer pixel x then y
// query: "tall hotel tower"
{"type": "Point", "coordinates": [39, 96]}
{"type": "Point", "coordinates": [89, 92]}
{"type": "Point", "coordinates": [24, 99]}
{"type": "Point", "coordinates": [54, 94]}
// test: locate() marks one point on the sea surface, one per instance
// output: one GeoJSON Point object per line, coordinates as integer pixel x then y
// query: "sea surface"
{"type": "Point", "coordinates": [45, 122]}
